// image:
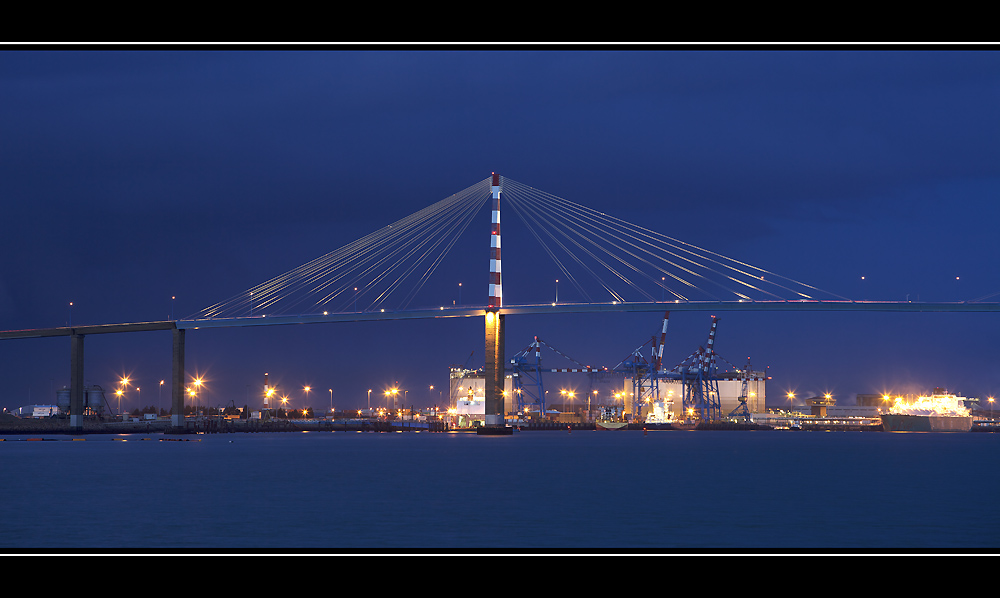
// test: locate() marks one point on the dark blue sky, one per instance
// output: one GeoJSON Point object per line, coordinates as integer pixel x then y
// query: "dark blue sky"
{"type": "Point", "coordinates": [128, 177]}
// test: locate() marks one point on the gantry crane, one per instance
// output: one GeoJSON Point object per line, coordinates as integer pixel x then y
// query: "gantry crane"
{"type": "Point", "coordinates": [698, 374]}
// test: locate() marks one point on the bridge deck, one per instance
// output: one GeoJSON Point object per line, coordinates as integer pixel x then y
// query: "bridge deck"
{"type": "Point", "coordinates": [540, 309]}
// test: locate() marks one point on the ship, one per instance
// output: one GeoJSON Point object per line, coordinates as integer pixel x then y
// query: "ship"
{"type": "Point", "coordinates": [660, 417]}
{"type": "Point", "coordinates": [939, 412]}
{"type": "Point", "coordinates": [610, 418]}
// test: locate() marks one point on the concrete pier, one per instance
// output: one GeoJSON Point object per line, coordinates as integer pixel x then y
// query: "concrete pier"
{"type": "Point", "coordinates": [76, 382]}
{"type": "Point", "coordinates": [177, 382]}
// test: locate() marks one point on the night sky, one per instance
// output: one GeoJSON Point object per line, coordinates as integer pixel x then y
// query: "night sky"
{"type": "Point", "coordinates": [132, 175]}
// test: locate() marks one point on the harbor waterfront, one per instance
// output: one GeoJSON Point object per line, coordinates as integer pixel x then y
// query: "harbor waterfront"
{"type": "Point", "coordinates": [550, 490]}
{"type": "Point", "coordinates": [14, 426]}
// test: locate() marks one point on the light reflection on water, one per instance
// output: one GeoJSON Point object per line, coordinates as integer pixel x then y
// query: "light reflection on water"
{"type": "Point", "coordinates": [553, 490]}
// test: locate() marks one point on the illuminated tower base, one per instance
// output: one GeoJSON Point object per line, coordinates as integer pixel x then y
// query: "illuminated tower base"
{"type": "Point", "coordinates": [494, 375]}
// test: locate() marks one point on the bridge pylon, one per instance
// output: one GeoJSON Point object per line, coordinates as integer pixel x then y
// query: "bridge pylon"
{"type": "Point", "coordinates": [494, 366]}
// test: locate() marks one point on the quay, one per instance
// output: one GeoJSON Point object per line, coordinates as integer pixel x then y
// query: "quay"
{"type": "Point", "coordinates": [10, 425]}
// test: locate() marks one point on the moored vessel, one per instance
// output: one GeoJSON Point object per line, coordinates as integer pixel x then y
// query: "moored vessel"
{"type": "Point", "coordinates": [939, 412]}
{"type": "Point", "coordinates": [609, 418]}
{"type": "Point", "coordinates": [899, 422]}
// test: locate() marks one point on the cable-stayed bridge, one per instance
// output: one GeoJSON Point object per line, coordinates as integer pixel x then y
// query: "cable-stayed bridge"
{"type": "Point", "coordinates": [601, 263]}
{"type": "Point", "coordinates": [609, 265]}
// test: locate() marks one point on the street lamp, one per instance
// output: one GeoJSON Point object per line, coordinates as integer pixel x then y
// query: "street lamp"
{"type": "Point", "coordinates": [268, 394]}
{"type": "Point", "coordinates": [197, 384]}
{"type": "Point", "coordinates": [394, 392]}
{"type": "Point", "coordinates": [331, 401]}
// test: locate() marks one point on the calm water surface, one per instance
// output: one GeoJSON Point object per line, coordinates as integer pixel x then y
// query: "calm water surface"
{"type": "Point", "coordinates": [549, 490]}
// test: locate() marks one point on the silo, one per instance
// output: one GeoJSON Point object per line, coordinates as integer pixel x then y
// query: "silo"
{"type": "Point", "coordinates": [62, 399]}
{"type": "Point", "coordinates": [93, 399]}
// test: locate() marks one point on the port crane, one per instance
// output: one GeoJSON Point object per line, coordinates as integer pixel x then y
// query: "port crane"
{"type": "Point", "coordinates": [526, 374]}
{"type": "Point", "coordinates": [741, 411]}
{"type": "Point", "coordinates": [698, 374]}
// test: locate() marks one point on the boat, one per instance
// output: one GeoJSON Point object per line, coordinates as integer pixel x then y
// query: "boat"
{"type": "Point", "coordinates": [660, 417]}
{"type": "Point", "coordinates": [609, 418]}
{"type": "Point", "coordinates": [939, 412]}
{"type": "Point", "coordinates": [609, 425]}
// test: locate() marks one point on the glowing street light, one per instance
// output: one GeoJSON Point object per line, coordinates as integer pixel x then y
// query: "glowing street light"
{"type": "Point", "coordinates": [197, 383]}
{"type": "Point", "coordinates": [393, 392]}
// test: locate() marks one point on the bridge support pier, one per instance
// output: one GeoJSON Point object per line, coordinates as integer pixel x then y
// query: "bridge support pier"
{"type": "Point", "coordinates": [494, 369]}
{"type": "Point", "coordinates": [177, 382]}
{"type": "Point", "coordinates": [76, 382]}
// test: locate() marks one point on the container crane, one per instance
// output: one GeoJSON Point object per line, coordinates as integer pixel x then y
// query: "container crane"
{"type": "Point", "coordinates": [741, 411]}
{"type": "Point", "coordinates": [698, 374]}
{"type": "Point", "coordinates": [526, 374]}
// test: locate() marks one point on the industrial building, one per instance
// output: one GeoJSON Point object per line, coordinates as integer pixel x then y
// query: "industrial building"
{"type": "Point", "coordinates": [671, 393]}
{"type": "Point", "coordinates": [467, 396]}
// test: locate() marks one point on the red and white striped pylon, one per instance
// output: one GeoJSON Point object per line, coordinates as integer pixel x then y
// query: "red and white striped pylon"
{"type": "Point", "coordinates": [496, 289]}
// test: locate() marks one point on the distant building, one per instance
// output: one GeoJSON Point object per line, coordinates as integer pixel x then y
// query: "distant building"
{"type": "Point", "coordinates": [467, 396]}
{"type": "Point", "coordinates": [852, 411]}
{"type": "Point", "coordinates": [818, 405]}
{"type": "Point", "coordinates": [38, 411]}
{"type": "Point", "coordinates": [730, 389]}
{"type": "Point", "coordinates": [869, 400]}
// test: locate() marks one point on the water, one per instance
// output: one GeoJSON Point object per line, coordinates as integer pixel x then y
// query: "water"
{"type": "Point", "coordinates": [585, 490]}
